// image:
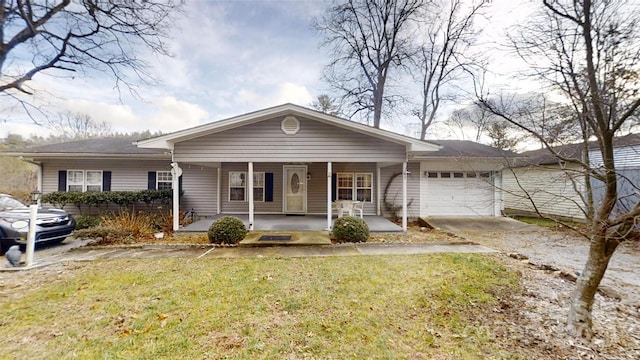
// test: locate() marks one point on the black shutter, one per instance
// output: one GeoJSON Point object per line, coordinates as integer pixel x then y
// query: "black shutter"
{"type": "Point", "coordinates": [62, 180]}
{"type": "Point", "coordinates": [151, 180]}
{"type": "Point", "coordinates": [334, 187]}
{"type": "Point", "coordinates": [106, 181]}
{"type": "Point", "coordinates": [180, 185]}
{"type": "Point", "coordinates": [268, 187]}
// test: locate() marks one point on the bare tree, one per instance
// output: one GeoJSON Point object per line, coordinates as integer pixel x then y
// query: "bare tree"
{"type": "Point", "coordinates": [448, 34]}
{"type": "Point", "coordinates": [588, 52]}
{"type": "Point", "coordinates": [472, 120]}
{"type": "Point", "coordinates": [64, 36]}
{"type": "Point", "coordinates": [368, 40]}
{"type": "Point", "coordinates": [79, 126]}
{"type": "Point", "coordinates": [326, 104]}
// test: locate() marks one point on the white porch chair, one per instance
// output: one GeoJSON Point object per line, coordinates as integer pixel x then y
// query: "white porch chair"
{"type": "Point", "coordinates": [358, 207]}
{"type": "Point", "coordinates": [343, 207]}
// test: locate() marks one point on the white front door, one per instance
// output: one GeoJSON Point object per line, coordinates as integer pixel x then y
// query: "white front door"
{"type": "Point", "coordinates": [295, 189]}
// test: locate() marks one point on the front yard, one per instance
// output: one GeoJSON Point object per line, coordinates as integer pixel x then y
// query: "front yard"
{"type": "Point", "coordinates": [415, 307]}
{"type": "Point", "coordinates": [437, 306]}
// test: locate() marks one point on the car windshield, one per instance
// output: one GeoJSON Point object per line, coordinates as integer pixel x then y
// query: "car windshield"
{"type": "Point", "coordinates": [8, 203]}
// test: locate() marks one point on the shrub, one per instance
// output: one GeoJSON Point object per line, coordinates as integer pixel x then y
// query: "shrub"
{"type": "Point", "coordinates": [227, 230]}
{"type": "Point", "coordinates": [135, 224]}
{"type": "Point", "coordinates": [86, 221]}
{"type": "Point", "coordinates": [350, 229]}
{"type": "Point", "coordinates": [97, 199]}
{"type": "Point", "coordinates": [104, 235]}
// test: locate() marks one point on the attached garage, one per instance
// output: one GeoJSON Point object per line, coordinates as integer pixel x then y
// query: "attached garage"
{"type": "Point", "coordinates": [458, 193]}
{"type": "Point", "coordinates": [462, 179]}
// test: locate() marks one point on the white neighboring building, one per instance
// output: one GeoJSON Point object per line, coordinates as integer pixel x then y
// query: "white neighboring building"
{"type": "Point", "coordinates": [542, 184]}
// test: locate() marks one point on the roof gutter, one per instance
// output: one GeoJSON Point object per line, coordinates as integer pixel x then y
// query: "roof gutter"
{"type": "Point", "coordinates": [32, 156]}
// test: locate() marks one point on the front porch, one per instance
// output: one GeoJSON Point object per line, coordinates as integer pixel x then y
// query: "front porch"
{"type": "Point", "coordinates": [291, 223]}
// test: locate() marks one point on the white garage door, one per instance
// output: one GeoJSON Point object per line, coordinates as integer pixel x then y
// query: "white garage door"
{"type": "Point", "coordinates": [450, 193]}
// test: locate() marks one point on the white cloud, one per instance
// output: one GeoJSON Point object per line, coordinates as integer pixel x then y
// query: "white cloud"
{"type": "Point", "coordinates": [283, 93]}
{"type": "Point", "coordinates": [22, 128]}
{"type": "Point", "coordinates": [172, 114]}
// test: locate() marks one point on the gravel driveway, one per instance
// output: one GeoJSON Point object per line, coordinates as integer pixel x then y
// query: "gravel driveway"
{"type": "Point", "coordinates": [565, 251]}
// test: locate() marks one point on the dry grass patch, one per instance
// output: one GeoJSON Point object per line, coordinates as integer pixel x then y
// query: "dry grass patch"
{"type": "Point", "coordinates": [427, 306]}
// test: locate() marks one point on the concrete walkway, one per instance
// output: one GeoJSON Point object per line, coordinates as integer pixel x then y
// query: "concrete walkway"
{"type": "Point", "coordinates": [206, 251]}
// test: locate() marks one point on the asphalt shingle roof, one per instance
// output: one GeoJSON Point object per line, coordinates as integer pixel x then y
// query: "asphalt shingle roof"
{"type": "Point", "coordinates": [92, 146]}
{"type": "Point", "coordinates": [115, 146]}
{"type": "Point", "coordinates": [469, 149]}
{"type": "Point", "coordinates": [572, 151]}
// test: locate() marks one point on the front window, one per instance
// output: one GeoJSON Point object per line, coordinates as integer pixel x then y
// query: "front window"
{"type": "Point", "coordinates": [75, 180]}
{"type": "Point", "coordinates": [364, 187]}
{"type": "Point", "coordinates": [238, 186]}
{"type": "Point", "coordinates": [345, 186]}
{"type": "Point", "coordinates": [358, 186]}
{"type": "Point", "coordinates": [84, 180]}
{"type": "Point", "coordinates": [258, 186]}
{"type": "Point", "coordinates": [164, 181]}
{"type": "Point", "coordinates": [94, 180]}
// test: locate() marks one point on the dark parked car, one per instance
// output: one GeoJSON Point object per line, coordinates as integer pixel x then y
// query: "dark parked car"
{"type": "Point", "coordinates": [52, 225]}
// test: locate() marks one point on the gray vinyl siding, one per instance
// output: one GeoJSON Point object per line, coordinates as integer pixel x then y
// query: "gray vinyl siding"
{"type": "Point", "coordinates": [125, 174]}
{"type": "Point", "coordinates": [316, 187]}
{"type": "Point", "coordinates": [369, 208]}
{"type": "Point", "coordinates": [261, 207]}
{"type": "Point", "coordinates": [627, 185]}
{"type": "Point", "coordinates": [199, 187]}
{"type": "Point", "coordinates": [625, 157]}
{"type": "Point", "coordinates": [265, 142]}
{"type": "Point", "coordinates": [199, 183]}
{"type": "Point", "coordinates": [394, 194]}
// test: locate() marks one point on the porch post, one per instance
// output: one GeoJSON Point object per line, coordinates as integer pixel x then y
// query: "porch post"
{"type": "Point", "coordinates": [378, 190]}
{"type": "Point", "coordinates": [250, 186]}
{"type": "Point", "coordinates": [219, 190]}
{"type": "Point", "coordinates": [329, 207]}
{"type": "Point", "coordinates": [176, 172]}
{"type": "Point", "coordinates": [404, 196]}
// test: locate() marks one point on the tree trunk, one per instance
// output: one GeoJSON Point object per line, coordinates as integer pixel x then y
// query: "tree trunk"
{"type": "Point", "coordinates": [579, 323]}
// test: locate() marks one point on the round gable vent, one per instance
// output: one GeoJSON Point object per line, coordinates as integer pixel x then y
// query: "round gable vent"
{"type": "Point", "coordinates": [290, 125]}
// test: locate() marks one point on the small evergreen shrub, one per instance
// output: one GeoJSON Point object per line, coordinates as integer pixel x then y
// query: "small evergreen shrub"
{"type": "Point", "coordinates": [227, 230]}
{"type": "Point", "coordinates": [350, 229]}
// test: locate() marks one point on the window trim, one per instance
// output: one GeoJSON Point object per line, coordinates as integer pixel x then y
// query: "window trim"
{"type": "Point", "coordinates": [245, 186]}
{"type": "Point", "coordinates": [356, 188]}
{"type": "Point", "coordinates": [158, 181]}
{"type": "Point", "coordinates": [354, 185]}
{"type": "Point", "coordinates": [84, 182]}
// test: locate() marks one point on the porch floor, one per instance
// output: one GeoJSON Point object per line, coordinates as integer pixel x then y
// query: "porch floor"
{"type": "Point", "coordinates": [297, 223]}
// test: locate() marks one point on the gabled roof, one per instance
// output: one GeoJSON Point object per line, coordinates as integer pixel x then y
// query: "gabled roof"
{"type": "Point", "coordinates": [167, 141]}
{"type": "Point", "coordinates": [96, 147]}
{"type": "Point", "coordinates": [468, 149]}
{"type": "Point", "coordinates": [572, 151]}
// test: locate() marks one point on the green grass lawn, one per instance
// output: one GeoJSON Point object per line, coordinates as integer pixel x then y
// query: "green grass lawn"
{"type": "Point", "coordinates": [427, 306]}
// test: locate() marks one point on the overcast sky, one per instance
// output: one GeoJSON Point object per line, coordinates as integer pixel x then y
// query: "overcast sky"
{"type": "Point", "coordinates": [230, 57]}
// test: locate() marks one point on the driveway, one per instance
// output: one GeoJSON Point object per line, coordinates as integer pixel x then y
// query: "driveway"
{"type": "Point", "coordinates": [561, 249]}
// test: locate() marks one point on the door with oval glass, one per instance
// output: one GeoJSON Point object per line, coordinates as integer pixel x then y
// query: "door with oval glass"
{"type": "Point", "coordinates": [295, 189]}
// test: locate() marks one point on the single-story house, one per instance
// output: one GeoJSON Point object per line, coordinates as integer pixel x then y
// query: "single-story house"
{"type": "Point", "coordinates": [540, 183]}
{"type": "Point", "coordinates": [285, 160]}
